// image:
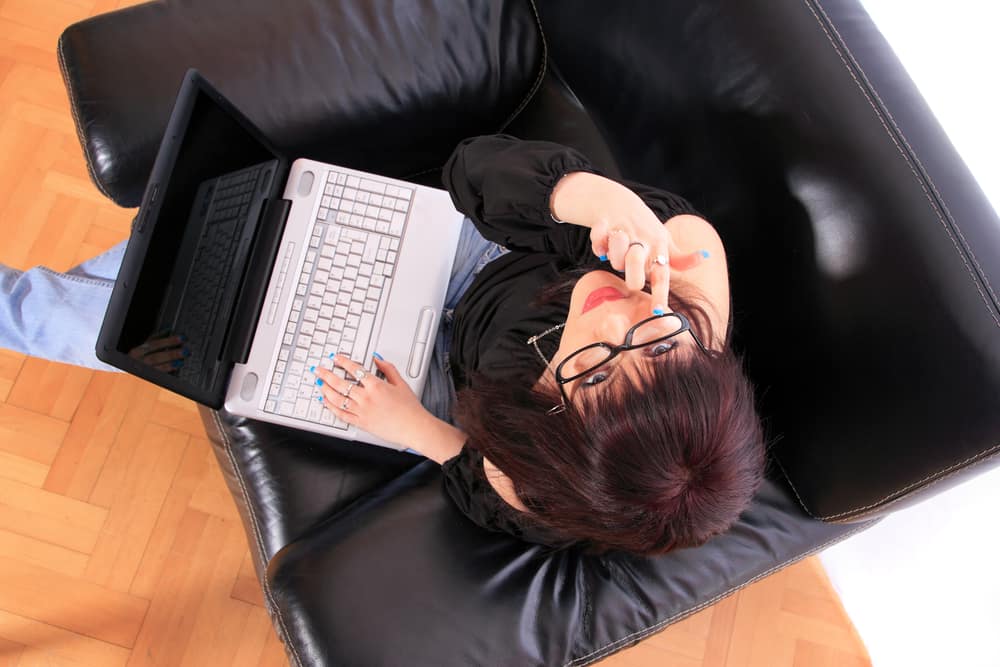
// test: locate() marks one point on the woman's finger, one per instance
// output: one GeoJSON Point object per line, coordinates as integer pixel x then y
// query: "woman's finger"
{"type": "Point", "coordinates": [326, 377]}
{"type": "Point", "coordinates": [618, 242]}
{"type": "Point", "coordinates": [599, 239]}
{"type": "Point", "coordinates": [335, 403]}
{"type": "Point", "coordinates": [635, 265]}
{"type": "Point", "coordinates": [389, 370]}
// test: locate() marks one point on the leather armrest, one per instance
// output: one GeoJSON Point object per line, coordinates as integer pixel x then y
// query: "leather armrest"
{"type": "Point", "coordinates": [386, 87]}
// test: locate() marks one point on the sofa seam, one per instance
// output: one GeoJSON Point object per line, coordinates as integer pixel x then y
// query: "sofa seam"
{"type": "Point", "coordinates": [73, 101]}
{"type": "Point", "coordinates": [541, 70]}
{"type": "Point", "coordinates": [922, 177]}
{"type": "Point", "coordinates": [944, 474]}
{"type": "Point", "coordinates": [260, 542]}
{"type": "Point", "coordinates": [530, 95]}
{"type": "Point", "coordinates": [639, 635]}
{"type": "Point", "coordinates": [936, 206]}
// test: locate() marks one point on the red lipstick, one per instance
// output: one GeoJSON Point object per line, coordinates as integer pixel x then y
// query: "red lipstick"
{"type": "Point", "coordinates": [599, 296]}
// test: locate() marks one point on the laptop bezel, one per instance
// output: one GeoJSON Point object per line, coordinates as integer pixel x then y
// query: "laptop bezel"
{"type": "Point", "coordinates": [144, 226]}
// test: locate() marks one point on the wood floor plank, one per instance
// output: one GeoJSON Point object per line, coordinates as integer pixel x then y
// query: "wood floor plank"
{"type": "Point", "coordinates": [220, 620]}
{"type": "Point", "coordinates": [49, 517]}
{"type": "Point", "coordinates": [135, 508]}
{"type": "Point", "coordinates": [687, 640]}
{"type": "Point", "coordinates": [69, 603]}
{"type": "Point", "coordinates": [10, 366]}
{"type": "Point", "coordinates": [91, 435]}
{"type": "Point", "coordinates": [50, 556]}
{"type": "Point", "coordinates": [139, 405]}
{"type": "Point", "coordinates": [60, 646]}
{"type": "Point", "coordinates": [30, 435]}
{"type": "Point", "coordinates": [212, 495]}
{"type": "Point", "coordinates": [180, 591]}
{"type": "Point", "coordinates": [753, 636]}
{"type": "Point", "coordinates": [192, 469]}
{"type": "Point", "coordinates": [182, 416]}
{"type": "Point", "coordinates": [247, 587]}
{"type": "Point", "coordinates": [22, 470]}
{"type": "Point", "coordinates": [274, 653]}
{"type": "Point", "coordinates": [813, 654]}
{"type": "Point", "coordinates": [721, 631]}
{"type": "Point", "coordinates": [50, 388]}
{"type": "Point", "coordinates": [10, 653]}
{"type": "Point", "coordinates": [258, 632]}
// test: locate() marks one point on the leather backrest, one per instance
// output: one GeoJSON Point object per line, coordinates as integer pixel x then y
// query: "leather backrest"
{"type": "Point", "coordinates": [332, 81]}
{"type": "Point", "coordinates": [864, 258]}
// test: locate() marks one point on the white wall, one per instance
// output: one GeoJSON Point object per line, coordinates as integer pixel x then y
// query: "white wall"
{"type": "Point", "coordinates": [923, 586]}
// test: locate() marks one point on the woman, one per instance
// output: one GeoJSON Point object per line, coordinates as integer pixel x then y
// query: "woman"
{"type": "Point", "coordinates": [598, 400]}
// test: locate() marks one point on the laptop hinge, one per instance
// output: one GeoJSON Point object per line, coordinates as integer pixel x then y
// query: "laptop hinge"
{"type": "Point", "coordinates": [252, 291]}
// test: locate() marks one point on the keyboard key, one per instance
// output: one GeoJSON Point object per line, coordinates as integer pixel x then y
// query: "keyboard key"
{"type": "Point", "coordinates": [373, 186]}
{"type": "Point", "coordinates": [301, 408]}
{"type": "Point", "coordinates": [353, 181]}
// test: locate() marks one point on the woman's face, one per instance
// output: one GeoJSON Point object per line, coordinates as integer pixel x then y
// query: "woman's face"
{"type": "Point", "coordinates": [603, 309]}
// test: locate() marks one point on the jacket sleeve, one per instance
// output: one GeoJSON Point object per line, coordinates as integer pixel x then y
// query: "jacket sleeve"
{"type": "Point", "coordinates": [504, 184]}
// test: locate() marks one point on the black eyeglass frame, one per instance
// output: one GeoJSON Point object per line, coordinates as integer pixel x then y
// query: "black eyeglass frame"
{"type": "Point", "coordinates": [615, 350]}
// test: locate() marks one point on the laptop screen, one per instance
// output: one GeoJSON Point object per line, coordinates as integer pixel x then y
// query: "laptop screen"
{"type": "Point", "coordinates": [210, 201]}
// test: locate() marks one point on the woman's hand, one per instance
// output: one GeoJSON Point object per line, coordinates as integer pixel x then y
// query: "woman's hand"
{"type": "Point", "coordinates": [623, 229]}
{"type": "Point", "coordinates": [385, 408]}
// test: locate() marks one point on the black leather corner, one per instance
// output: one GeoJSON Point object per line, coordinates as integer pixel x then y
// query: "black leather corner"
{"type": "Point", "coordinates": [864, 259]}
{"type": "Point", "coordinates": [333, 81]}
{"type": "Point", "coordinates": [452, 594]}
{"type": "Point", "coordinates": [286, 481]}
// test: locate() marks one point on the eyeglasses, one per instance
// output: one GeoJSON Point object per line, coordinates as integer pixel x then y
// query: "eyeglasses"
{"type": "Point", "coordinates": [589, 358]}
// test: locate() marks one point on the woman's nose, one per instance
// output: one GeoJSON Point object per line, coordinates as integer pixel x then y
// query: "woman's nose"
{"type": "Point", "coordinates": [613, 327]}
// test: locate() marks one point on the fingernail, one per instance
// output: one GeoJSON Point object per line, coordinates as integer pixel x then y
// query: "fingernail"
{"type": "Point", "coordinates": [377, 356]}
{"type": "Point", "coordinates": [658, 310]}
{"type": "Point", "coordinates": [332, 355]}
{"type": "Point", "coordinates": [704, 254]}
{"type": "Point", "coordinates": [603, 258]}
{"type": "Point", "coordinates": [186, 352]}
{"type": "Point", "coordinates": [312, 369]}
{"type": "Point", "coordinates": [177, 363]}
{"type": "Point", "coordinates": [182, 338]}
{"type": "Point", "coordinates": [319, 398]}
{"type": "Point", "coordinates": [319, 381]}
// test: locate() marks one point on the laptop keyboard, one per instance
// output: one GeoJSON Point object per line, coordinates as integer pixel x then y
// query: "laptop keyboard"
{"type": "Point", "coordinates": [229, 208]}
{"type": "Point", "coordinates": [348, 270]}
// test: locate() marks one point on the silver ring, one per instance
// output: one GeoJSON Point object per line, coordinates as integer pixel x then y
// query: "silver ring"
{"type": "Point", "coordinates": [359, 375]}
{"type": "Point", "coordinates": [661, 260]}
{"type": "Point", "coordinates": [344, 404]}
{"type": "Point", "coordinates": [638, 243]}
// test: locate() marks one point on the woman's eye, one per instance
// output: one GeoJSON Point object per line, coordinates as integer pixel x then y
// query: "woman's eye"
{"type": "Point", "coordinates": [596, 378]}
{"type": "Point", "coordinates": [660, 348]}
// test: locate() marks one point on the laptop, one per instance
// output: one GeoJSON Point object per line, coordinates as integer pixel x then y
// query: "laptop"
{"type": "Point", "coordinates": [246, 269]}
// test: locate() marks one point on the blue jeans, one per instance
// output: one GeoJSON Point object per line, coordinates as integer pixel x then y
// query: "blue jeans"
{"type": "Point", "coordinates": [57, 316]}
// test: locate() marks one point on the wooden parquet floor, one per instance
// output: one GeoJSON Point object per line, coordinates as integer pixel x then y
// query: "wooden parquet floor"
{"type": "Point", "coordinates": [119, 542]}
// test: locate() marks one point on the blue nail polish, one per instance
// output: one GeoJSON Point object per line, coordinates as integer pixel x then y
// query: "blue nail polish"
{"type": "Point", "coordinates": [186, 352]}
{"type": "Point", "coordinates": [332, 355]}
{"type": "Point", "coordinates": [377, 356]}
{"type": "Point", "coordinates": [319, 381]}
{"type": "Point", "coordinates": [312, 369]}
{"type": "Point", "coordinates": [177, 363]}
{"type": "Point", "coordinates": [603, 258]}
{"type": "Point", "coordinates": [319, 398]}
{"type": "Point", "coordinates": [704, 253]}
{"type": "Point", "coordinates": [182, 338]}
{"type": "Point", "coordinates": [657, 311]}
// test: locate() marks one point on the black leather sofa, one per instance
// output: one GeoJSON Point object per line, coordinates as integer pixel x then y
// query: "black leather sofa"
{"type": "Point", "coordinates": [863, 261]}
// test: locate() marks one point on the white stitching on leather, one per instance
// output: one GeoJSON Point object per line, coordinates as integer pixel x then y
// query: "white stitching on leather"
{"type": "Point", "coordinates": [922, 179]}
{"type": "Point", "coordinates": [865, 89]}
{"type": "Point", "coordinates": [76, 120]}
{"type": "Point", "coordinates": [945, 474]}
{"type": "Point", "coordinates": [541, 70]}
{"type": "Point", "coordinates": [259, 540]}
{"type": "Point", "coordinates": [606, 650]}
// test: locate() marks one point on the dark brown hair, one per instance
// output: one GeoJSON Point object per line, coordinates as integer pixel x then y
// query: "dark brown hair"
{"type": "Point", "coordinates": [645, 466]}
